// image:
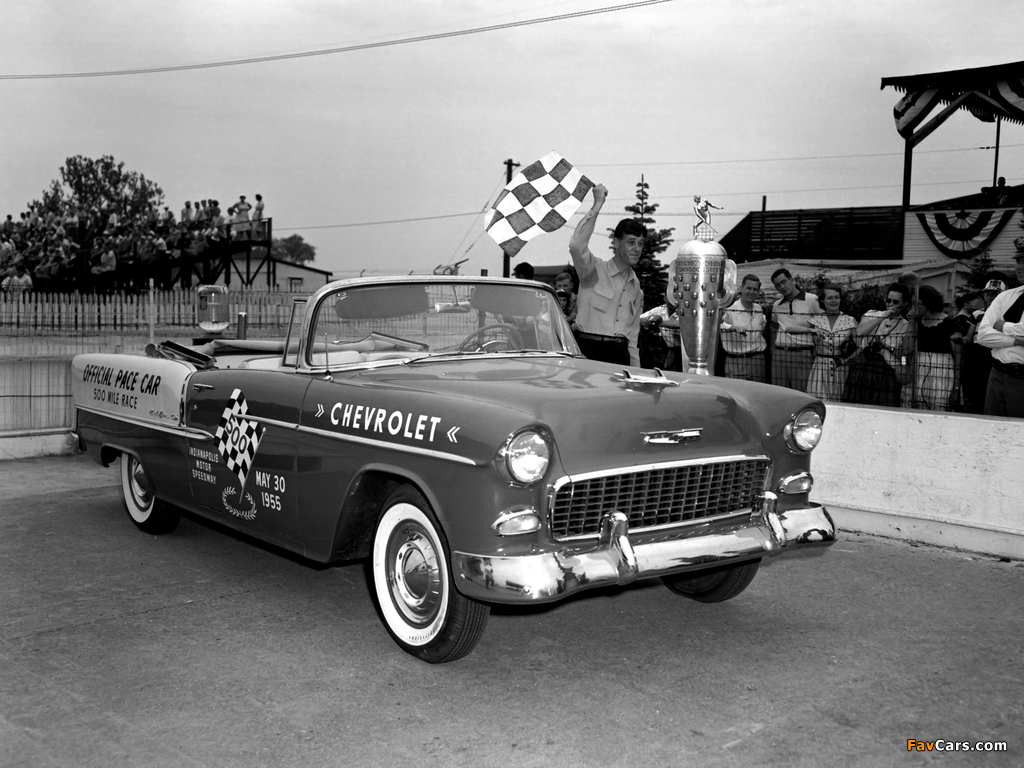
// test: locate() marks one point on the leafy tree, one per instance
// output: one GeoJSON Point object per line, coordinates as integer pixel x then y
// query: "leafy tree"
{"type": "Point", "coordinates": [981, 266]}
{"type": "Point", "coordinates": [292, 248]}
{"type": "Point", "coordinates": [102, 183]}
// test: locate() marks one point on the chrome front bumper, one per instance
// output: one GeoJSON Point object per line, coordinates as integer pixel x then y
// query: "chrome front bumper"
{"type": "Point", "coordinates": [614, 559]}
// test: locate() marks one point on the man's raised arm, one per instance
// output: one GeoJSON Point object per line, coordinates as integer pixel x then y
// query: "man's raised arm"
{"type": "Point", "coordinates": [580, 240]}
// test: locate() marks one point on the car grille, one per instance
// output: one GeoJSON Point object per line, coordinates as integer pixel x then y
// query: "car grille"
{"type": "Point", "coordinates": [658, 496]}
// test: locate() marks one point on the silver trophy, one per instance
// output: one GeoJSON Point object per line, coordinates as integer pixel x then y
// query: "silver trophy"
{"type": "Point", "coordinates": [702, 284]}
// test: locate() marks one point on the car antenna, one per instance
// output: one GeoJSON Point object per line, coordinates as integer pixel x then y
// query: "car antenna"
{"type": "Point", "coordinates": [327, 357]}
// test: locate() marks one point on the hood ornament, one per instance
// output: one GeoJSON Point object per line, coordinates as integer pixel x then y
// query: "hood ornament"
{"type": "Point", "coordinates": [629, 378]}
{"type": "Point", "coordinates": [673, 436]}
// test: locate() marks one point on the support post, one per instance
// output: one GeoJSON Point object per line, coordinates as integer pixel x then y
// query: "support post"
{"type": "Point", "coordinates": [995, 166]}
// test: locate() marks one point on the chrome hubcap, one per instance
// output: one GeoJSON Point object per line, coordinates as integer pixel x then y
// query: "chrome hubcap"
{"type": "Point", "coordinates": [415, 576]}
{"type": "Point", "coordinates": [140, 484]}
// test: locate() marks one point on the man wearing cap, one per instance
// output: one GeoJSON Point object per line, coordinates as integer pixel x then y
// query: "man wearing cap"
{"type": "Point", "coordinates": [1002, 331]}
{"type": "Point", "coordinates": [610, 299]}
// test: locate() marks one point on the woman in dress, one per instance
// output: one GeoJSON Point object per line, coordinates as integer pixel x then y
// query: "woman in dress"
{"type": "Point", "coordinates": [828, 375]}
{"type": "Point", "coordinates": [240, 221]}
{"type": "Point", "coordinates": [937, 383]}
{"type": "Point", "coordinates": [882, 338]}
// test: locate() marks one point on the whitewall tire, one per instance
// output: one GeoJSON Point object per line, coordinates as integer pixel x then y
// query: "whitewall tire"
{"type": "Point", "coordinates": [412, 580]}
{"type": "Point", "coordinates": [140, 502]}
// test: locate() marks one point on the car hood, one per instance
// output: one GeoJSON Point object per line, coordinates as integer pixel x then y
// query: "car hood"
{"type": "Point", "coordinates": [597, 419]}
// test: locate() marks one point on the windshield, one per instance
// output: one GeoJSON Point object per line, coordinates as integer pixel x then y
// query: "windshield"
{"type": "Point", "coordinates": [420, 320]}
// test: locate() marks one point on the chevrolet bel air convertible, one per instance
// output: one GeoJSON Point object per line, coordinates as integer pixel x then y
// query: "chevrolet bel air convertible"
{"type": "Point", "coordinates": [449, 431]}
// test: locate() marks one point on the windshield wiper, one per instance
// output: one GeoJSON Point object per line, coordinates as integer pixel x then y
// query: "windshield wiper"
{"type": "Point", "coordinates": [448, 356]}
{"type": "Point", "coordinates": [559, 352]}
{"type": "Point", "coordinates": [503, 354]}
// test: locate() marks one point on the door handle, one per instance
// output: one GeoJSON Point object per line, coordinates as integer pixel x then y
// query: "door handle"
{"type": "Point", "coordinates": [200, 387]}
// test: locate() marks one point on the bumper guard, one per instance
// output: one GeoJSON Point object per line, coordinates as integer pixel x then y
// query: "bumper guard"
{"type": "Point", "coordinates": [615, 559]}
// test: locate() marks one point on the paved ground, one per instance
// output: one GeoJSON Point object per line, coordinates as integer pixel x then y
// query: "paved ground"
{"type": "Point", "coordinates": [203, 649]}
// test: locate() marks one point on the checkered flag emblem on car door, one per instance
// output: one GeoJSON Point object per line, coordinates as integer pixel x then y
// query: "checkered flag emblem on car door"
{"type": "Point", "coordinates": [238, 438]}
{"type": "Point", "coordinates": [540, 198]}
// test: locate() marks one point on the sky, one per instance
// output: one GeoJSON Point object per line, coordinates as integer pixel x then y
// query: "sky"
{"type": "Point", "coordinates": [385, 156]}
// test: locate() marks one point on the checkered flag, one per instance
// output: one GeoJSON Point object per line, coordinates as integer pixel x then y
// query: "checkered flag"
{"type": "Point", "coordinates": [540, 198]}
{"type": "Point", "coordinates": [238, 437]}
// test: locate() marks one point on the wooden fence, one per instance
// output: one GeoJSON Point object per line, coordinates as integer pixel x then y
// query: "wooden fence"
{"type": "Point", "coordinates": [57, 314]}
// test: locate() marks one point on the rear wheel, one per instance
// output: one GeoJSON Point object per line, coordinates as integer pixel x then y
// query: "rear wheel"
{"type": "Point", "coordinates": [412, 579]}
{"type": "Point", "coordinates": [147, 512]}
{"type": "Point", "coordinates": [714, 584]}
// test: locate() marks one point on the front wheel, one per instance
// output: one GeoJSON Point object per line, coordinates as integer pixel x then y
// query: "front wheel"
{"type": "Point", "coordinates": [140, 502]}
{"type": "Point", "coordinates": [412, 579]}
{"type": "Point", "coordinates": [715, 584]}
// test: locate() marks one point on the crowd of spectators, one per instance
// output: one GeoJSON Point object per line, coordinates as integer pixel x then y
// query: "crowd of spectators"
{"type": "Point", "coordinates": [916, 351]}
{"type": "Point", "coordinates": [111, 248]}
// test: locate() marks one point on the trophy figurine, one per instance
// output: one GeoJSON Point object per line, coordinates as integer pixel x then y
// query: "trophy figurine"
{"type": "Point", "coordinates": [702, 284]}
{"type": "Point", "coordinates": [703, 230]}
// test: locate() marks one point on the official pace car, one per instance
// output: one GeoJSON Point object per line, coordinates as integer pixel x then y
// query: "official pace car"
{"type": "Point", "coordinates": [449, 430]}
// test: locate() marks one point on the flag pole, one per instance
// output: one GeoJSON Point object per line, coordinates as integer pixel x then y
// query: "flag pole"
{"type": "Point", "coordinates": [506, 260]}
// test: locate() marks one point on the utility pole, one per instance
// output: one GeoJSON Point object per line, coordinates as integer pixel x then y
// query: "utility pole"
{"type": "Point", "coordinates": [506, 267]}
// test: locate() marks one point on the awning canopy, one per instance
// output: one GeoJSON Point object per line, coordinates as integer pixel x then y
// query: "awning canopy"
{"type": "Point", "coordinates": [986, 92]}
{"type": "Point", "coordinates": [992, 94]}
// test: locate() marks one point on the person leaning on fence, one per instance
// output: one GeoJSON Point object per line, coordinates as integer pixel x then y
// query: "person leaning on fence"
{"type": "Point", "coordinates": [835, 343]}
{"type": "Point", "coordinates": [1002, 331]}
{"type": "Point", "coordinates": [742, 334]}
{"type": "Point", "coordinates": [793, 351]}
{"type": "Point", "coordinates": [937, 358]}
{"type": "Point", "coordinates": [976, 360]}
{"type": "Point", "coordinates": [879, 369]}
{"type": "Point", "coordinates": [610, 299]}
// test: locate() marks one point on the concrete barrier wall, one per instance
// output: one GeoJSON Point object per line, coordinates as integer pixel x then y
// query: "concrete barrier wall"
{"type": "Point", "coordinates": [35, 394]}
{"type": "Point", "coordinates": [939, 478]}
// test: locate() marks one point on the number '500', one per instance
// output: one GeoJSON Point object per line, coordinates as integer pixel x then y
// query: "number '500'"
{"type": "Point", "coordinates": [238, 438]}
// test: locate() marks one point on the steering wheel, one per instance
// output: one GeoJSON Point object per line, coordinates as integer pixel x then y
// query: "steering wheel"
{"type": "Point", "coordinates": [475, 343]}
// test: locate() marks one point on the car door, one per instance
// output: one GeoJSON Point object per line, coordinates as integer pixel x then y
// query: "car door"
{"type": "Point", "coordinates": [242, 467]}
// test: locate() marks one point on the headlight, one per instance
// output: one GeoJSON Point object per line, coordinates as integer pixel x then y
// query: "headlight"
{"type": "Point", "coordinates": [804, 430]}
{"type": "Point", "coordinates": [526, 456]}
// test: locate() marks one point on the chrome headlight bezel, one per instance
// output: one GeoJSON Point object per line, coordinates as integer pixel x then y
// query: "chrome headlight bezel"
{"type": "Point", "coordinates": [526, 455]}
{"type": "Point", "coordinates": [803, 431]}
{"type": "Point", "coordinates": [796, 483]}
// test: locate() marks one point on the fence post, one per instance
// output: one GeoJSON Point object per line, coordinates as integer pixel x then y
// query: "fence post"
{"type": "Point", "coordinates": [152, 319]}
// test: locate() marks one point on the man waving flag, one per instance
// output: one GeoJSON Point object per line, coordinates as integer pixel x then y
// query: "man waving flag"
{"type": "Point", "coordinates": [540, 198]}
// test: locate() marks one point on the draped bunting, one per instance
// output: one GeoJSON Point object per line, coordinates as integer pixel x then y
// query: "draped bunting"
{"type": "Point", "coordinates": [912, 109]}
{"type": "Point", "coordinates": [1010, 95]}
{"type": "Point", "coordinates": [964, 233]}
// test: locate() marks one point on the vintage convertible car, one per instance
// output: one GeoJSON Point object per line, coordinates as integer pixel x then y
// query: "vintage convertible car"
{"type": "Point", "coordinates": [449, 430]}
